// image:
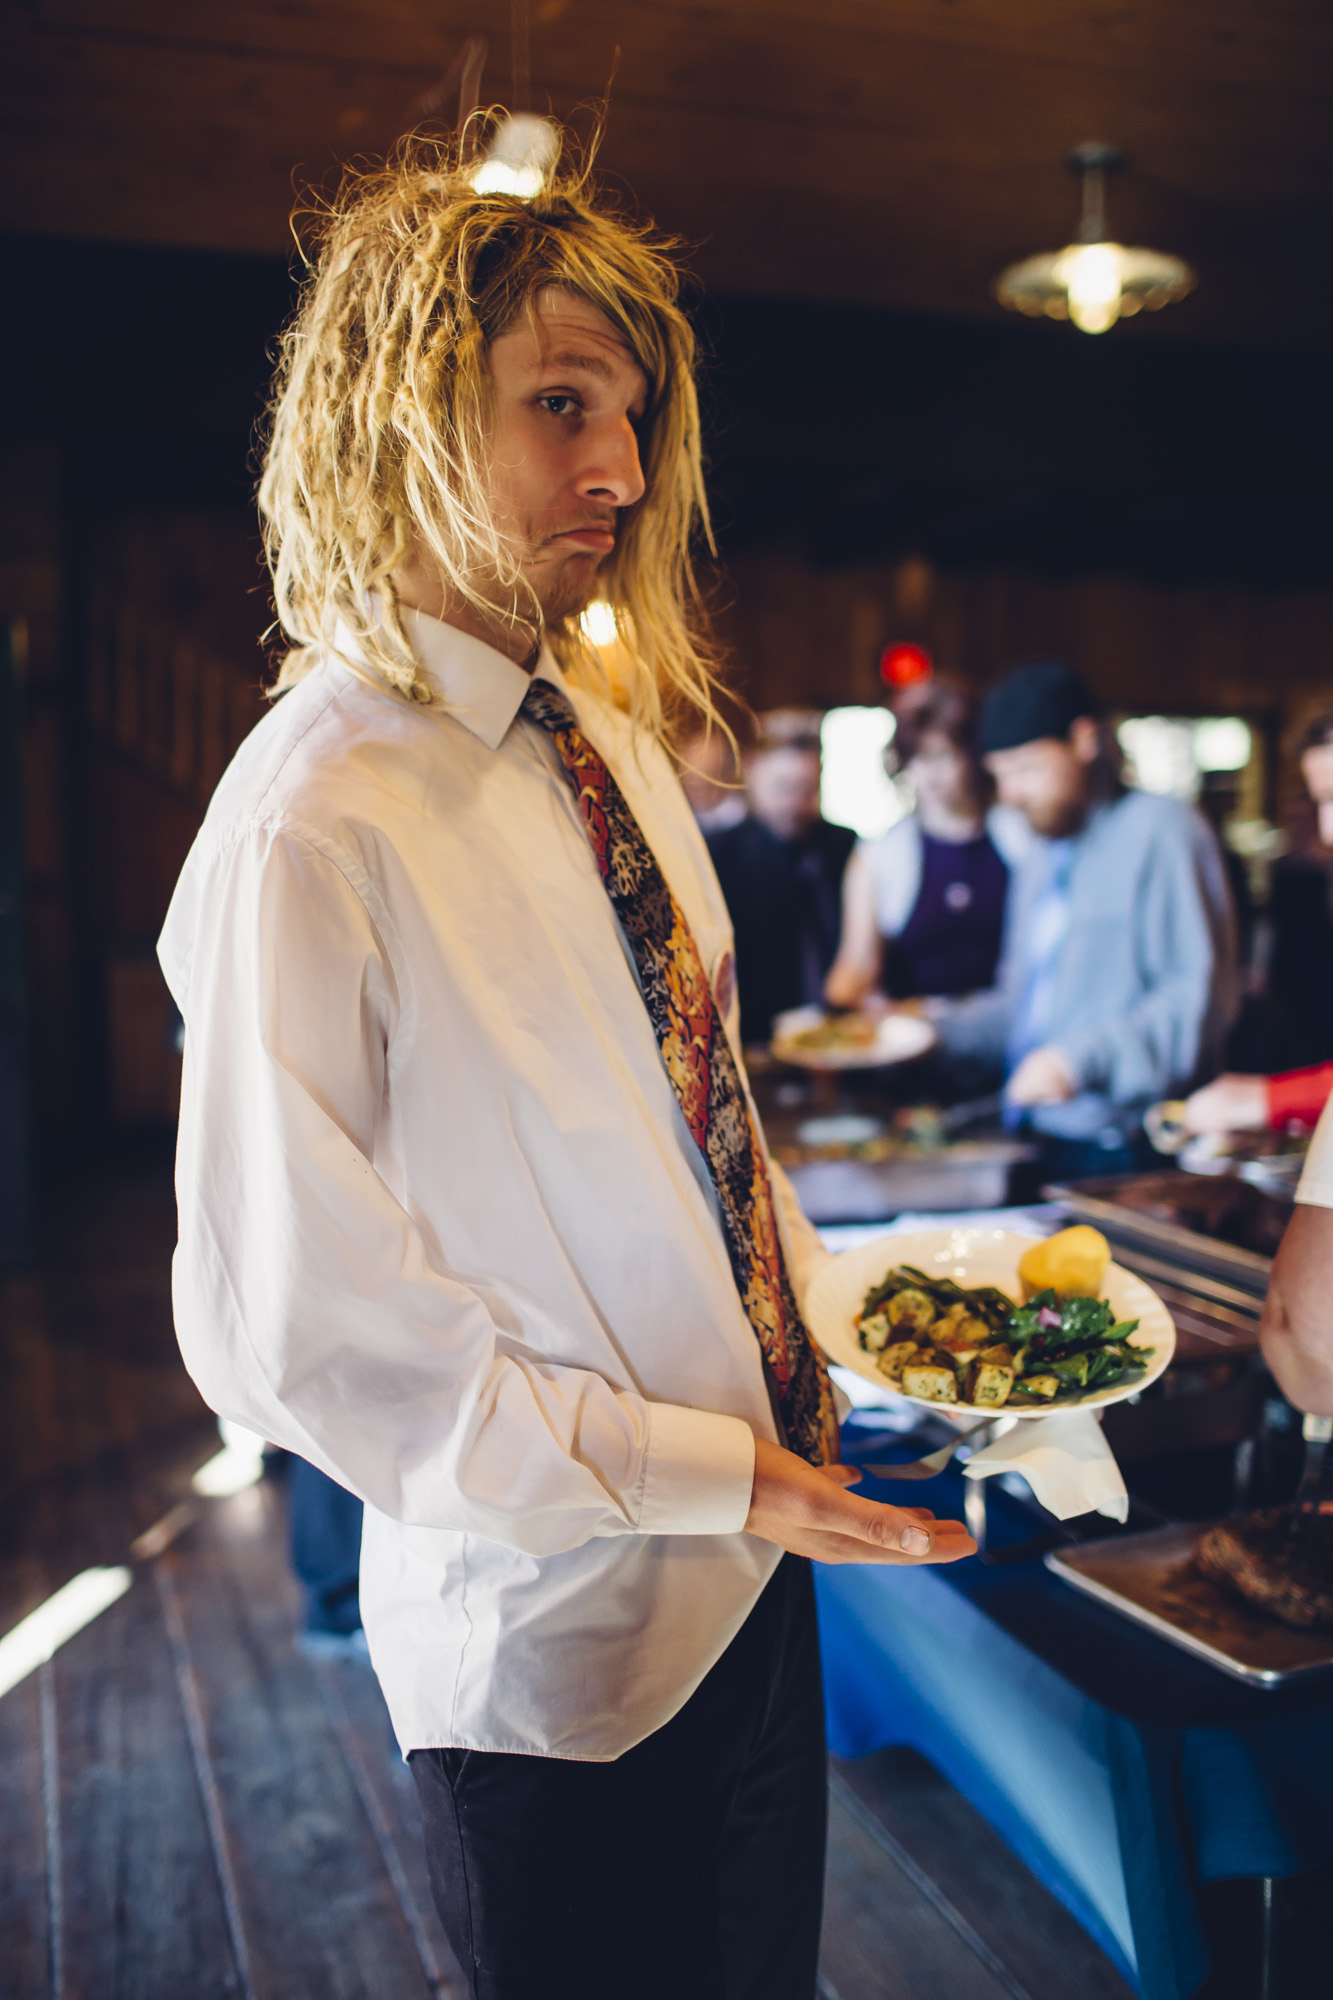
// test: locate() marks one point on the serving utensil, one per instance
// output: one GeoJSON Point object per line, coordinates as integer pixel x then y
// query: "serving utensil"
{"type": "Point", "coordinates": [957, 1117]}
{"type": "Point", "coordinates": [1165, 1125]}
{"type": "Point", "coordinates": [1316, 1431]}
{"type": "Point", "coordinates": [933, 1463]}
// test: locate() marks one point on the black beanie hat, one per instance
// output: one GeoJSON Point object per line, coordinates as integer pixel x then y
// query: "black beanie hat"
{"type": "Point", "coordinates": [1042, 698]}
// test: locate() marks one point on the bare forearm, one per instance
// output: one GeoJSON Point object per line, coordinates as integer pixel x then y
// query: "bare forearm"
{"type": "Point", "coordinates": [1297, 1329]}
{"type": "Point", "coordinates": [856, 968]}
{"type": "Point", "coordinates": [849, 980]}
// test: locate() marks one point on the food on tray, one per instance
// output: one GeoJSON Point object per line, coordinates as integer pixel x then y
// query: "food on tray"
{"type": "Point", "coordinates": [1277, 1562]}
{"type": "Point", "coordinates": [836, 1031]}
{"type": "Point", "coordinates": [1221, 1206]}
{"type": "Point", "coordinates": [1073, 1262]}
{"type": "Point", "coordinates": [933, 1338]}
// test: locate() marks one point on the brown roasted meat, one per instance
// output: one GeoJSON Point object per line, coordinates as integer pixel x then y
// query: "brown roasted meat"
{"type": "Point", "coordinates": [1209, 1204]}
{"type": "Point", "coordinates": [1282, 1565]}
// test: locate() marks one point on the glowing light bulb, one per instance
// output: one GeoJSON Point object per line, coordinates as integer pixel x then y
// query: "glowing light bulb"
{"type": "Point", "coordinates": [598, 623]}
{"type": "Point", "coordinates": [499, 177]}
{"type": "Point", "coordinates": [524, 152]}
{"type": "Point", "coordinates": [1090, 273]}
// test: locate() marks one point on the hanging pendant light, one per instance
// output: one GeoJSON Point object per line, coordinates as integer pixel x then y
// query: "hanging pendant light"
{"type": "Point", "coordinates": [523, 152]}
{"type": "Point", "coordinates": [1092, 281]}
{"type": "Point", "coordinates": [519, 159]}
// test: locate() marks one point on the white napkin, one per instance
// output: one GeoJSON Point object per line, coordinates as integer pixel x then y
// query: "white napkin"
{"type": "Point", "coordinates": [1064, 1459]}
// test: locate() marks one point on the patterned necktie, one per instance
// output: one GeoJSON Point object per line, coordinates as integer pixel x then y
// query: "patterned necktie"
{"type": "Point", "coordinates": [703, 1073]}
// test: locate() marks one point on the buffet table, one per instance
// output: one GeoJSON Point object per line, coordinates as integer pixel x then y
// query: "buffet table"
{"type": "Point", "coordinates": [1123, 1771]}
{"type": "Point", "coordinates": [1120, 1770]}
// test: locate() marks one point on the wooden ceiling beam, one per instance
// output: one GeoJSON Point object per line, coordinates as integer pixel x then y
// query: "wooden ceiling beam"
{"type": "Point", "coordinates": [831, 150]}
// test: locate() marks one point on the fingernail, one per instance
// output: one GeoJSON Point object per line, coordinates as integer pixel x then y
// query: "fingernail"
{"type": "Point", "coordinates": [914, 1540]}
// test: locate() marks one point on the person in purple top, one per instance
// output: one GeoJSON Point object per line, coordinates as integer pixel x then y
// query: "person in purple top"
{"type": "Point", "coordinates": [923, 906]}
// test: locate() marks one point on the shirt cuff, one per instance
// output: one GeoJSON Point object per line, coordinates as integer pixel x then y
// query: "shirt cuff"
{"type": "Point", "coordinates": [700, 1475]}
{"type": "Point", "coordinates": [1315, 1190]}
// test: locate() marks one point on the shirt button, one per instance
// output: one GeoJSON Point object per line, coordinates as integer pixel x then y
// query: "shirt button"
{"type": "Point", "coordinates": [958, 896]}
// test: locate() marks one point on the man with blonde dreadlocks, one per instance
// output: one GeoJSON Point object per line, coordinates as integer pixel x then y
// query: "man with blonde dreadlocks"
{"type": "Point", "coordinates": [475, 1214]}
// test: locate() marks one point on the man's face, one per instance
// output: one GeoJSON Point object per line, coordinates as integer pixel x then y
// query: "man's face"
{"type": "Point", "coordinates": [567, 399]}
{"type": "Point", "coordinates": [783, 789]}
{"type": "Point", "coordinates": [1047, 779]}
{"type": "Point", "coordinates": [1317, 770]}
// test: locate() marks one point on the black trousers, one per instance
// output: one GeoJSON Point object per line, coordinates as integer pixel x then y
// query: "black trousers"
{"type": "Point", "coordinates": [691, 1868]}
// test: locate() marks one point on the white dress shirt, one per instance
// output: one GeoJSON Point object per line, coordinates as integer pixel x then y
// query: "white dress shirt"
{"type": "Point", "coordinates": [1316, 1183]}
{"type": "Point", "coordinates": [443, 1230]}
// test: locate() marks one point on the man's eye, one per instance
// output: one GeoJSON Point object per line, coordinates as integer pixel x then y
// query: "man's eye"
{"type": "Point", "coordinates": [558, 405]}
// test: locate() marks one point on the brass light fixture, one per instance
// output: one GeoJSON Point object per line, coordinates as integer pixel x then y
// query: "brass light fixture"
{"type": "Point", "coordinates": [1093, 281]}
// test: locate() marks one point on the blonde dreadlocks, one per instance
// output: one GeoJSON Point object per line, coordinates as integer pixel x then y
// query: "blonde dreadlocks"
{"type": "Point", "coordinates": [378, 423]}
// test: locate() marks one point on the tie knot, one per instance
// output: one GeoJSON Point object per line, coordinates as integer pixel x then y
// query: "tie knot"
{"type": "Point", "coordinates": [547, 707]}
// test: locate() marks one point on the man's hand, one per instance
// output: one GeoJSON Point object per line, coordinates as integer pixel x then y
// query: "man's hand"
{"type": "Point", "coordinates": [1043, 1077]}
{"type": "Point", "coordinates": [1231, 1103]}
{"type": "Point", "coordinates": [808, 1510]}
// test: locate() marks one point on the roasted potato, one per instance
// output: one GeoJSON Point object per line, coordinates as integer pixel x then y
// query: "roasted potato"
{"type": "Point", "coordinates": [989, 1385]}
{"type": "Point", "coordinates": [961, 1353]}
{"type": "Point", "coordinates": [937, 1384]}
{"type": "Point", "coordinates": [1045, 1386]}
{"type": "Point", "coordinates": [893, 1359]}
{"type": "Point", "coordinates": [875, 1332]}
{"type": "Point", "coordinates": [910, 1310]}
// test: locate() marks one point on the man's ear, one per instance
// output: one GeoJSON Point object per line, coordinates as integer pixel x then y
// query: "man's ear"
{"type": "Point", "coordinates": [1085, 738]}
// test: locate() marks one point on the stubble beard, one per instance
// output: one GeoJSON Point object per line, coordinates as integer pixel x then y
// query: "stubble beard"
{"type": "Point", "coordinates": [1058, 822]}
{"type": "Point", "coordinates": [562, 589]}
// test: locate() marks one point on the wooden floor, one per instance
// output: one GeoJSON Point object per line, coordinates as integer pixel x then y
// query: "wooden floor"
{"type": "Point", "coordinates": [192, 1809]}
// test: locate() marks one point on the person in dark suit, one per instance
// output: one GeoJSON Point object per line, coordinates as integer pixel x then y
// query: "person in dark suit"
{"type": "Point", "coordinates": [781, 870]}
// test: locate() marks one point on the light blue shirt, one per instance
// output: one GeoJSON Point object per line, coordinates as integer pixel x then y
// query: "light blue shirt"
{"type": "Point", "coordinates": [1144, 985]}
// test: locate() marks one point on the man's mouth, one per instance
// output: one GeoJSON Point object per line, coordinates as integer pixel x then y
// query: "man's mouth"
{"type": "Point", "coordinates": [591, 540]}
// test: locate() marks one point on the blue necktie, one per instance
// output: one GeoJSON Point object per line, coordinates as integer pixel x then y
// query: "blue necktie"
{"type": "Point", "coordinates": [1047, 927]}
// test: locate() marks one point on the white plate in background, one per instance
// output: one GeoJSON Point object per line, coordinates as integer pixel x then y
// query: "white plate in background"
{"type": "Point", "coordinates": [899, 1038]}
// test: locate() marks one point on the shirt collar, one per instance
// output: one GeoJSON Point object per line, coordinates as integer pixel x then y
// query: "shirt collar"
{"type": "Point", "coordinates": [480, 687]}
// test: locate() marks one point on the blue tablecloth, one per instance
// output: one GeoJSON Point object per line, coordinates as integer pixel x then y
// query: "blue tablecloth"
{"type": "Point", "coordinates": [1119, 1769]}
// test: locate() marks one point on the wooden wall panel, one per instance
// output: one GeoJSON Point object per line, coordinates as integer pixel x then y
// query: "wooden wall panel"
{"type": "Point", "coordinates": [804, 637]}
{"type": "Point", "coordinates": [33, 560]}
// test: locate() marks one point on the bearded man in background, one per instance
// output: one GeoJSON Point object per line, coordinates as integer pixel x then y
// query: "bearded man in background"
{"type": "Point", "coordinates": [475, 1213]}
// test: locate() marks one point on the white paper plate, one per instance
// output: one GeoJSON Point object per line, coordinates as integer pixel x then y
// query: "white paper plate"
{"type": "Point", "coordinates": [972, 1256]}
{"type": "Point", "coordinates": [898, 1038]}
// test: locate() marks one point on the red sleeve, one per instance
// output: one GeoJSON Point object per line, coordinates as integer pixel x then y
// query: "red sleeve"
{"type": "Point", "coordinates": [1299, 1095]}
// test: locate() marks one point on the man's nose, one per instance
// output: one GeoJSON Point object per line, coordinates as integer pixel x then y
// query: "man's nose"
{"type": "Point", "coordinates": [615, 474]}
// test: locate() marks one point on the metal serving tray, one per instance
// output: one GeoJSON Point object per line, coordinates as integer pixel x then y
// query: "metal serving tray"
{"type": "Point", "coordinates": [1213, 1291]}
{"type": "Point", "coordinates": [1151, 1579]}
{"type": "Point", "coordinates": [1171, 1242]}
{"type": "Point", "coordinates": [969, 1174]}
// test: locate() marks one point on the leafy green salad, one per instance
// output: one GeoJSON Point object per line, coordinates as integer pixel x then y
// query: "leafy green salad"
{"type": "Point", "coordinates": [933, 1338]}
